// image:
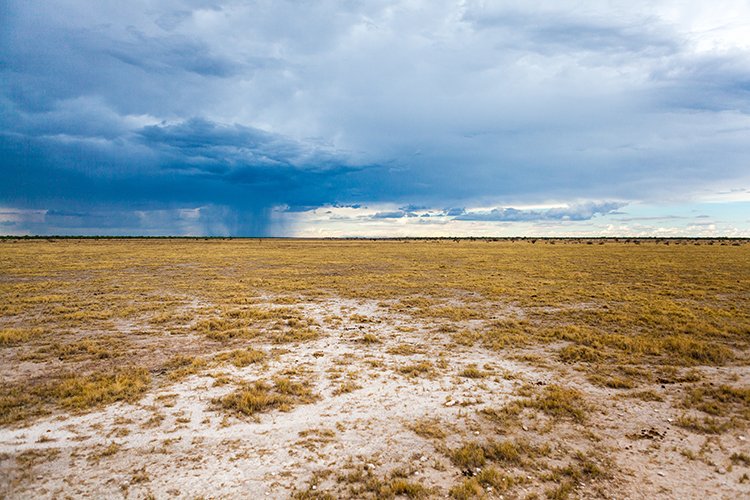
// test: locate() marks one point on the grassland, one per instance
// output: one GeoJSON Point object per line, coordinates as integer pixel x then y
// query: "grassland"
{"type": "Point", "coordinates": [380, 369]}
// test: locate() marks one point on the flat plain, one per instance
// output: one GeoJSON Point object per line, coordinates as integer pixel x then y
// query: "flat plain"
{"type": "Point", "coordinates": [191, 368]}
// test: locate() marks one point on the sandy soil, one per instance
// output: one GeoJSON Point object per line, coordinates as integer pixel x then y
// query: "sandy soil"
{"type": "Point", "coordinates": [175, 442]}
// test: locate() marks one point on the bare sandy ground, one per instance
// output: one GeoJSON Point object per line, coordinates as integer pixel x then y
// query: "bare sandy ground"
{"type": "Point", "coordinates": [176, 442]}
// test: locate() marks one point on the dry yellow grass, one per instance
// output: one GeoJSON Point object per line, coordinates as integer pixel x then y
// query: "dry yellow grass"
{"type": "Point", "coordinates": [13, 336]}
{"type": "Point", "coordinates": [617, 288]}
{"type": "Point", "coordinates": [72, 392]}
{"type": "Point", "coordinates": [242, 357]}
{"type": "Point", "coordinates": [647, 303]}
{"type": "Point", "coordinates": [640, 320]}
{"type": "Point", "coordinates": [260, 396]}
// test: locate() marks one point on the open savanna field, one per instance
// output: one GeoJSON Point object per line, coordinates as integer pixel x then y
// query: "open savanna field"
{"type": "Point", "coordinates": [198, 368]}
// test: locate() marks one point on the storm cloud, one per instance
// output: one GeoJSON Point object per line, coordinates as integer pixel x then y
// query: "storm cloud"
{"type": "Point", "coordinates": [203, 117]}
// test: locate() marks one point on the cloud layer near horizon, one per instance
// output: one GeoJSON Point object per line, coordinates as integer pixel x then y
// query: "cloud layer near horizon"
{"type": "Point", "coordinates": [201, 117]}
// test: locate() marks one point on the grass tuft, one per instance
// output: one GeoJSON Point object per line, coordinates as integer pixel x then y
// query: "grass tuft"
{"type": "Point", "coordinates": [416, 369]}
{"type": "Point", "coordinates": [431, 428]}
{"type": "Point", "coordinates": [560, 402]}
{"type": "Point", "coordinates": [707, 425]}
{"type": "Point", "coordinates": [180, 366]}
{"type": "Point", "coordinates": [260, 397]}
{"type": "Point", "coordinates": [242, 357]}
{"type": "Point", "coordinates": [14, 336]}
{"type": "Point", "coordinates": [472, 371]}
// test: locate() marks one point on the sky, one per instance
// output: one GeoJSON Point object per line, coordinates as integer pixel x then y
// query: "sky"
{"type": "Point", "coordinates": [375, 118]}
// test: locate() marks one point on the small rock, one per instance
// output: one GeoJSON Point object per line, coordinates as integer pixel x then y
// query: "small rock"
{"type": "Point", "coordinates": [670, 420]}
{"type": "Point", "coordinates": [450, 403]}
{"type": "Point", "coordinates": [476, 433]}
{"type": "Point", "coordinates": [423, 458]}
{"type": "Point", "coordinates": [741, 438]}
{"type": "Point", "coordinates": [370, 466]}
{"type": "Point", "coordinates": [314, 487]}
{"type": "Point", "coordinates": [661, 474]}
{"type": "Point", "coordinates": [525, 428]}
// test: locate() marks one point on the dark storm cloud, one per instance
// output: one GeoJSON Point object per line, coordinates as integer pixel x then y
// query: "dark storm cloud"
{"type": "Point", "coordinates": [237, 150]}
{"type": "Point", "coordinates": [205, 115]}
{"type": "Point", "coordinates": [96, 182]}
